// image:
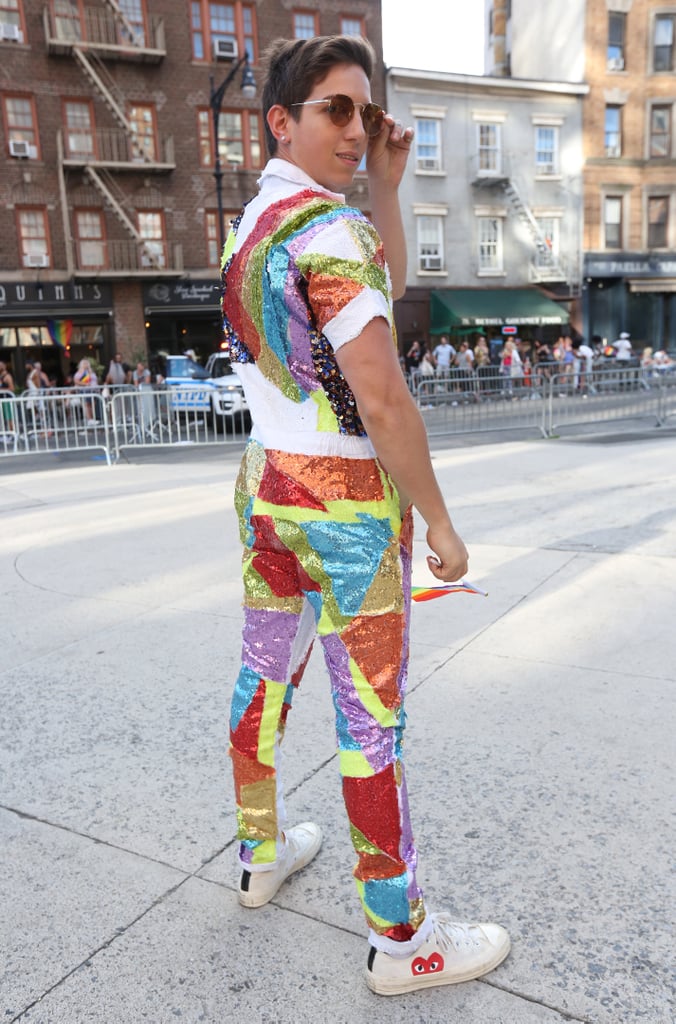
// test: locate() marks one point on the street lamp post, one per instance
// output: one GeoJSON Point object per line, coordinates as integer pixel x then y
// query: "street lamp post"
{"type": "Point", "coordinates": [248, 87]}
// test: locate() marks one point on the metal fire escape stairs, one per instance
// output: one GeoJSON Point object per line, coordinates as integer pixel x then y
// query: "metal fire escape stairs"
{"type": "Point", "coordinates": [523, 212]}
{"type": "Point", "coordinates": [115, 198]}
{"type": "Point", "coordinates": [111, 94]}
{"type": "Point", "coordinates": [98, 74]}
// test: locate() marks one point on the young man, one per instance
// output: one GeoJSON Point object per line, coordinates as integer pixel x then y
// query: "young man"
{"type": "Point", "coordinates": [338, 451]}
{"type": "Point", "coordinates": [118, 371]}
{"type": "Point", "coordinates": [443, 354]}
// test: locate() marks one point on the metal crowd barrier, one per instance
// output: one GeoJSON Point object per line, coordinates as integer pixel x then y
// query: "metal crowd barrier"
{"type": "Point", "coordinates": [111, 420]}
{"type": "Point", "coordinates": [54, 421]}
{"type": "Point", "coordinates": [482, 400]}
{"type": "Point", "coordinates": [545, 401]}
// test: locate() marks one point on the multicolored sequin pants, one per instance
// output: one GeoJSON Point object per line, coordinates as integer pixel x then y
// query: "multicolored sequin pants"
{"type": "Point", "coordinates": [326, 554]}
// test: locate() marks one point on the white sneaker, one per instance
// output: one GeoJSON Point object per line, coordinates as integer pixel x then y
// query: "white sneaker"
{"type": "Point", "coordinates": [454, 952]}
{"type": "Point", "coordinates": [257, 888]}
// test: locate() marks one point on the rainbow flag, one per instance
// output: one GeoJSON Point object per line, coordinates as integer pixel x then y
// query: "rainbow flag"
{"type": "Point", "coordinates": [429, 593]}
{"type": "Point", "coordinates": [60, 332]}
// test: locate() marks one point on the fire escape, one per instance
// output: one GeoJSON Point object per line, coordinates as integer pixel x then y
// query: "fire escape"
{"type": "Point", "coordinates": [547, 266]}
{"type": "Point", "coordinates": [94, 37]}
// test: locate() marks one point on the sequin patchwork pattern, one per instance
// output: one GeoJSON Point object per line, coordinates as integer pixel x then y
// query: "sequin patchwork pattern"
{"type": "Point", "coordinates": [308, 276]}
{"type": "Point", "coordinates": [327, 555]}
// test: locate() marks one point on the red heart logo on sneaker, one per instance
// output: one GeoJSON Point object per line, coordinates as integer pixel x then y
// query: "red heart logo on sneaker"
{"type": "Point", "coordinates": [430, 965]}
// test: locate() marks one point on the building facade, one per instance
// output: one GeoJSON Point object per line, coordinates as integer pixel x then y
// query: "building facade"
{"type": "Point", "coordinates": [492, 202]}
{"type": "Point", "coordinates": [532, 39]}
{"type": "Point", "coordinates": [629, 141]}
{"type": "Point", "coordinates": [110, 211]}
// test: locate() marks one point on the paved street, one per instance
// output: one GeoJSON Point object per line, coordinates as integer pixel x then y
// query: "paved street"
{"type": "Point", "coordinates": [540, 749]}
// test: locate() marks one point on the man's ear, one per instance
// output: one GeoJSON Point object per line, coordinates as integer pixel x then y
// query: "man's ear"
{"type": "Point", "coordinates": [278, 119]}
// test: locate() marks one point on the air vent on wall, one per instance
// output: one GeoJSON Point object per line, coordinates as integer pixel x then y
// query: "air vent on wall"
{"type": "Point", "coordinates": [10, 33]}
{"type": "Point", "coordinates": [40, 259]}
{"type": "Point", "coordinates": [19, 148]}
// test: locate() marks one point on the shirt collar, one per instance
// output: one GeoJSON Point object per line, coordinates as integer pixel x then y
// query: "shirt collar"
{"type": "Point", "coordinates": [286, 171]}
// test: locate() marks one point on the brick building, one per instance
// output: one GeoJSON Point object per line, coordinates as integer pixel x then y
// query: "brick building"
{"type": "Point", "coordinates": [109, 233]}
{"type": "Point", "coordinates": [626, 51]}
{"type": "Point", "coordinates": [630, 179]}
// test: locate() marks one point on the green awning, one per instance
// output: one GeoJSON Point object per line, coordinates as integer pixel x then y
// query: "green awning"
{"type": "Point", "coordinates": [455, 309]}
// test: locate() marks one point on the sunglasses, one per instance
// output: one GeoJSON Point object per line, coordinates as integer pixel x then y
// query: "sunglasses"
{"type": "Point", "coordinates": [341, 111]}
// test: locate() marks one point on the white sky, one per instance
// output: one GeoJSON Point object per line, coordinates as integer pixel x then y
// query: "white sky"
{"type": "Point", "coordinates": [434, 35]}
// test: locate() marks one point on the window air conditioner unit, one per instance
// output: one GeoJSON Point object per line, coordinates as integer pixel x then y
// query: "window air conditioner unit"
{"type": "Point", "coordinates": [40, 259]}
{"type": "Point", "coordinates": [430, 263]}
{"type": "Point", "coordinates": [428, 165]}
{"type": "Point", "coordinates": [225, 49]}
{"type": "Point", "coordinates": [11, 33]}
{"type": "Point", "coordinates": [616, 64]}
{"type": "Point", "coordinates": [20, 148]}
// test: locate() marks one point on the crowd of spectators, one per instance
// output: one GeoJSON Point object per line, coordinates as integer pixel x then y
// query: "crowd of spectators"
{"type": "Point", "coordinates": [84, 388]}
{"type": "Point", "coordinates": [512, 362]}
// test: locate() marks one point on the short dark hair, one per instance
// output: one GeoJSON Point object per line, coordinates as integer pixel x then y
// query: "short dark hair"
{"type": "Point", "coordinates": [294, 66]}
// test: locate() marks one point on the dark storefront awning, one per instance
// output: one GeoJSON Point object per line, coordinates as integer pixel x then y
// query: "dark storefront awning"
{"type": "Point", "coordinates": [455, 309]}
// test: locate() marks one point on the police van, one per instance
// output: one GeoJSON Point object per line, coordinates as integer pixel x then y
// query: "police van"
{"type": "Point", "coordinates": [214, 389]}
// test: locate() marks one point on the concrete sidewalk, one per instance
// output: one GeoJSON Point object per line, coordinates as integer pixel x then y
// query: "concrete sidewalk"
{"type": "Point", "coordinates": [540, 751]}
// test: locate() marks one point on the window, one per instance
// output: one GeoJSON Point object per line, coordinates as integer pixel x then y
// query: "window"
{"type": "Point", "coordinates": [151, 230]}
{"type": "Point", "coordinates": [240, 131]}
{"type": "Point", "coordinates": [211, 22]}
{"type": "Point", "coordinates": [427, 144]}
{"type": "Point", "coordinates": [549, 255]}
{"type": "Point", "coordinates": [663, 45]}
{"type": "Point", "coordinates": [430, 243]}
{"type": "Point", "coordinates": [660, 131]}
{"type": "Point", "coordinates": [304, 24]}
{"type": "Point", "coordinates": [546, 149]}
{"type": "Point", "coordinates": [90, 239]}
{"type": "Point", "coordinates": [616, 35]}
{"type": "Point", "coordinates": [205, 138]}
{"type": "Point", "coordinates": [34, 336]}
{"type": "Point", "coordinates": [613, 131]}
{"type": "Point", "coordinates": [135, 15]}
{"type": "Point", "coordinates": [79, 134]}
{"type": "Point", "coordinates": [612, 222]}
{"type": "Point", "coordinates": [10, 15]}
{"type": "Point", "coordinates": [211, 225]}
{"type": "Point", "coordinates": [21, 122]}
{"type": "Point", "coordinates": [490, 245]}
{"type": "Point", "coordinates": [142, 120]}
{"type": "Point", "coordinates": [33, 236]}
{"type": "Point", "coordinates": [239, 138]}
{"type": "Point", "coordinates": [68, 19]}
{"type": "Point", "coordinates": [351, 26]}
{"type": "Point", "coordinates": [658, 222]}
{"type": "Point", "coordinates": [488, 147]}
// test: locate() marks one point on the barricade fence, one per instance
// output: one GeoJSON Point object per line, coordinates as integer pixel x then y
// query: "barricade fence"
{"type": "Point", "coordinates": [112, 419]}
{"type": "Point", "coordinates": [543, 402]}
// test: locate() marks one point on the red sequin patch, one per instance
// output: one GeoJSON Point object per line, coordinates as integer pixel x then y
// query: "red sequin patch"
{"type": "Point", "coordinates": [373, 807]}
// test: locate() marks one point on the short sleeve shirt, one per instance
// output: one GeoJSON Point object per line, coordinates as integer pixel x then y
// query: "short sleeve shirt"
{"type": "Point", "coordinates": [303, 275]}
{"type": "Point", "coordinates": [623, 349]}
